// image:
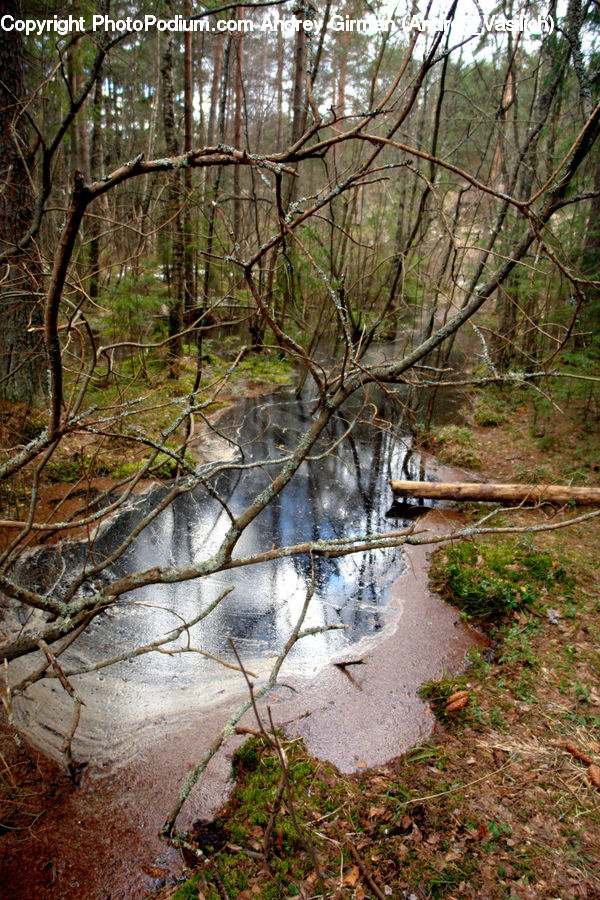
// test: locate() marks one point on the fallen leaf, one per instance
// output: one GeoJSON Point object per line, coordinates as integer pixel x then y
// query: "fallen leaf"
{"type": "Point", "coordinates": [351, 876]}
{"type": "Point", "coordinates": [378, 781]}
{"type": "Point", "coordinates": [594, 775]}
{"type": "Point", "coordinates": [154, 871]}
{"type": "Point", "coordinates": [500, 757]}
{"type": "Point", "coordinates": [457, 695]}
{"type": "Point", "coordinates": [454, 855]}
{"type": "Point", "coordinates": [416, 834]}
{"type": "Point", "coordinates": [376, 812]}
{"type": "Point", "coordinates": [461, 698]}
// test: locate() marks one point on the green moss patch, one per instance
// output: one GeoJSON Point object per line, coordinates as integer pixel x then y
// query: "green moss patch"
{"type": "Point", "coordinates": [490, 580]}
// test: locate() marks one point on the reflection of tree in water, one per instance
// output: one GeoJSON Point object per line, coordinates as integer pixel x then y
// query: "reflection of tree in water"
{"type": "Point", "coordinates": [342, 493]}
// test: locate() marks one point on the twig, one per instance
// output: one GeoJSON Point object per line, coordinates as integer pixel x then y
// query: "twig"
{"type": "Point", "coordinates": [458, 787]}
{"type": "Point", "coordinates": [289, 796]}
{"type": "Point", "coordinates": [8, 770]}
{"type": "Point", "coordinates": [359, 862]}
{"type": "Point", "coordinates": [74, 768]}
{"type": "Point", "coordinates": [180, 842]}
{"type": "Point", "coordinates": [58, 669]}
{"type": "Point", "coordinates": [267, 847]}
{"type": "Point", "coordinates": [167, 831]}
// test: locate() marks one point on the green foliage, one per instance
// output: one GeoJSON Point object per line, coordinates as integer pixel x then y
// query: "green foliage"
{"type": "Point", "coordinates": [437, 692]}
{"type": "Point", "coordinates": [270, 368]}
{"type": "Point", "coordinates": [265, 366]}
{"type": "Point", "coordinates": [487, 581]}
{"type": "Point", "coordinates": [491, 409]}
{"type": "Point", "coordinates": [258, 773]}
{"type": "Point", "coordinates": [134, 301]}
{"type": "Point", "coordinates": [246, 759]}
{"type": "Point", "coordinates": [165, 466]}
{"type": "Point", "coordinates": [31, 429]}
{"type": "Point", "coordinates": [69, 469]}
{"type": "Point", "coordinates": [189, 890]}
{"type": "Point", "coordinates": [455, 445]}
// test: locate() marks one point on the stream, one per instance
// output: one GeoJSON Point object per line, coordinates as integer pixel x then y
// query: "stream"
{"type": "Point", "coordinates": [157, 712]}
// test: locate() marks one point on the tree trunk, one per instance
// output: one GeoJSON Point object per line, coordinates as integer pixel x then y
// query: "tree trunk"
{"type": "Point", "coordinates": [497, 493]}
{"type": "Point", "coordinates": [96, 172]}
{"type": "Point", "coordinates": [189, 293]}
{"type": "Point", "coordinates": [173, 214]}
{"type": "Point", "coordinates": [21, 351]}
{"type": "Point", "coordinates": [237, 139]}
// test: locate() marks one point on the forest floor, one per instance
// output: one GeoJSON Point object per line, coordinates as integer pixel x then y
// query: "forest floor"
{"type": "Point", "coordinates": [503, 801]}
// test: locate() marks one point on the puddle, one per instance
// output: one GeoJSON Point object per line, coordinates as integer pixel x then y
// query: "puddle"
{"type": "Point", "coordinates": [146, 722]}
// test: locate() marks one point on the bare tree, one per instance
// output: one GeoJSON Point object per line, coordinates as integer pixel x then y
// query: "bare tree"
{"type": "Point", "coordinates": [333, 156]}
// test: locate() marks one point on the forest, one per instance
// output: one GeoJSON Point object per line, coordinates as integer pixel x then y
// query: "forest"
{"type": "Point", "coordinates": [257, 260]}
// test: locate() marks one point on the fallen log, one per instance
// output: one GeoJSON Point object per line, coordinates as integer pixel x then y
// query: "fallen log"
{"type": "Point", "coordinates": [497, 493]}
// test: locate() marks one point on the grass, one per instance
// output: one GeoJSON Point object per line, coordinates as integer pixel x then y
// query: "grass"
{"type": "Point", "coordinates": [491, 407]}
{"type": "Point", "coordinates": [454, 445]}
{"type": "Point", "coordinates": [495, 805]}
{"type": "Point", "coordinates": [142, 388]}
{"type": "Point", "coordinates": [489, 580]}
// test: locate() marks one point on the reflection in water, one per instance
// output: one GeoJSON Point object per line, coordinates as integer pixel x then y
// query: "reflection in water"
{"type": "Point", "coordinates": [337, 495]}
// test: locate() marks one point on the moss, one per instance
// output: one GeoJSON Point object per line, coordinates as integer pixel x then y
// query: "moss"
{"type": "Point", "coordinates": [491, 408]}
{"type": "Point", "coordinates": [491, 580]}
{"type": "Point", "coordinates": [68, 469]}
{"type": "Point", "coordinates": [455, 446]}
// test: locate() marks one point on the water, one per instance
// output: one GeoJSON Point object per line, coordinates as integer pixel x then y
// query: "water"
{"type": "Point", "coordinates": [338, 495]}
{"type": "Point", "coordinates": [147, 722]}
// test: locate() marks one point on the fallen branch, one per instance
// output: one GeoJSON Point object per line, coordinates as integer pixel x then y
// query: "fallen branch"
{"type": "Point", "coordinates": [367, 876]}
{"type": "Point", "coordinates": [500, 493]}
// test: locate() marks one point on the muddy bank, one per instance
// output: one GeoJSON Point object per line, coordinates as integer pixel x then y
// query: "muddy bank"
{"type": "Point", "coordinates": [365, 714]}
{"type": "Point", "coordinates": [331, 496]}
{"type": "Point", "coordinates": [101, 839]}
{"type": "Point", "coordinates": [147, 722]}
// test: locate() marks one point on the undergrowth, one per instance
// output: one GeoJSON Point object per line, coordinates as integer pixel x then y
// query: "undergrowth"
{"type": "Point", "coordinates": [488, 580]}
{"type": "Point", "coordinates": [495, 806]}
{"type": "Point", "coordinates": [454, 445]}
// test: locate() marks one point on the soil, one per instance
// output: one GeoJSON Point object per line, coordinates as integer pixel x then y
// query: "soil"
{"type": "Point", "coordinates": [357, 719]}
{"type": "Point", "coordinates": [499, 804]}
